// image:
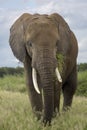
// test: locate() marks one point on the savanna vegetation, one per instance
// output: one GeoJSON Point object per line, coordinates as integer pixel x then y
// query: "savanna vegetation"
{"type": "Point", "coordinates": [10, 71]}
{"type": "Point", "coordinates": [7, 72]}
{"type": "Point", "coordinates": [15, 108]}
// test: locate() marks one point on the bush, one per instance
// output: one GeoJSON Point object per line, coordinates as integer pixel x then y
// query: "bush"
{"type": "Point", "coordinates": [15, 79]}
{"type": "Point", "coordinates": [82, 66]}
{"type": "Point", "coordinates": [82, 83]}
{"type": "Point", "coordinates": [10, 71]}
{"type": "Point", "coordinates": [14, 83]}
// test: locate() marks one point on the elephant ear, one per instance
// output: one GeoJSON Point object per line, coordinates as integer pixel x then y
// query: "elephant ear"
{"type": "Point", "coordinates": [17, 36]}
{"type": "Point", "coordinates": [63, 30]}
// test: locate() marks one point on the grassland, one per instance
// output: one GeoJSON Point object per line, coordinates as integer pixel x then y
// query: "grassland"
{"type": "Point", "coordinates": [82, 83]}
{"type": "Point", "coordinates": [16, 113]}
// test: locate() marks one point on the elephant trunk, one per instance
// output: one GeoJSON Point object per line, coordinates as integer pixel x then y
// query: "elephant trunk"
{"type": "Point", "coordinates": [46, 72]}
{"type": "Point", "coordinates": [46, 68]}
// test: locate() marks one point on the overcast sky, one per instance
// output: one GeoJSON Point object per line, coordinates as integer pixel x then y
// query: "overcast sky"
{"type": "Point", "coordinates": [73, 11]}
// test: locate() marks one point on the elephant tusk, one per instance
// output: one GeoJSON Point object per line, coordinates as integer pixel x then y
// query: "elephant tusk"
{"type": "Point", "coordinates": [34, 77]}
{"type": "Point", "coordinates": [58, 75]}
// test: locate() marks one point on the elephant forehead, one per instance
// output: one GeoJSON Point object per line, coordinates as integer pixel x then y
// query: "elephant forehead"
{"type": "Point", "coordinates": [42, 29]}
{"type": "Point", "coordinates": [40, 26]}
{"type": "Point", "coordinates": [40, 19]}
{"type": "Point", "coordinates": [41, 22]}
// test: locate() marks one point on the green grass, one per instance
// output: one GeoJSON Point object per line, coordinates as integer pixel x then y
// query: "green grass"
{"type": "Point", "coordinates": [16, 113]}
{"type": "Point", "coordinates": [13, 83]}
{"type": "Point", "coordinates": [82, 76]}
{"type": "Point", "coordinates": [82, 83]}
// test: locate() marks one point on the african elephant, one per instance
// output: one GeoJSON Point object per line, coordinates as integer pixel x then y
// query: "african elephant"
{"type": "Point", "coordinates": [37, 41]}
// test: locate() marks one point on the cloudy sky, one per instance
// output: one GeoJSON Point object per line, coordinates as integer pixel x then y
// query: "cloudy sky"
{"type": "Point", "coordinates": [73, 11]}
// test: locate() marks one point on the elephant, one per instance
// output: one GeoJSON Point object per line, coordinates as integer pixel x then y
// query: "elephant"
{"type": "Point", "coordinates": [44, 44]}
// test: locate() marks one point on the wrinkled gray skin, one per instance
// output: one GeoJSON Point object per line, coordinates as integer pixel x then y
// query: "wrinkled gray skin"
{"type": "Point", "coordinates": [35, 40]}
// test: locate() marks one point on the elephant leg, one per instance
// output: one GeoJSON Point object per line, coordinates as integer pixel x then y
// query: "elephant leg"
{"type": "Point", "coordinates": [35, 98]}
{"type": "Point", "coordinates": [69, 89]}
{"type": "Point", "coordinates": [57, 91]}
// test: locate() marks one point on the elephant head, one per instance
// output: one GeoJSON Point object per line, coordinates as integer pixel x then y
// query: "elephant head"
{"type": "Point", "coordinates": [40, 37]}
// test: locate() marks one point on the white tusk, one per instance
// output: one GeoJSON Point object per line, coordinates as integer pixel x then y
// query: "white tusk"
{"type": "Point", "coordinates": [58, 75]}
{"type": "Point", "coordinates": [34, 77]}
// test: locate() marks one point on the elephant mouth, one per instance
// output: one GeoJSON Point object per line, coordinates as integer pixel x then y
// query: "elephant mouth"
{"type": "Point", "coordinates": [34, 78]}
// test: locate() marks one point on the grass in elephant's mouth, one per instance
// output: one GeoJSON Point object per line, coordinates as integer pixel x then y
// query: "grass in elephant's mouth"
{"type": "Point", "coordinates": [16, 114]}
{"type": "Point", "coordinates": [60, 60]}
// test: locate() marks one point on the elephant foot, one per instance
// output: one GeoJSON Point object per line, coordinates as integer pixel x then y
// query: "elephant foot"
{"type": "Point", "coordinates": [55, 114]}
{"type": "Point", "coordinates": [46, 122]}
{"type": "Point", "coordinates": [67, 108]}
{"type": "Point", "coordinates": [38, 114]}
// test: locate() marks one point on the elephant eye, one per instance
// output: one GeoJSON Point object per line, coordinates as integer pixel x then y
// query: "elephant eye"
{"type": "Point", "coordinates": [29, 43]}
